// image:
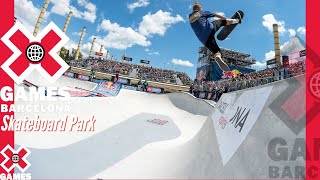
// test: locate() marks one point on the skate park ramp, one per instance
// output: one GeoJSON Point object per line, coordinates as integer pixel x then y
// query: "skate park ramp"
{"type": "Point", "coordinates": [173, 136]}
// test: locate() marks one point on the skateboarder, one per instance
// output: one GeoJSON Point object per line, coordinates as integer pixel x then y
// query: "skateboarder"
{"type": "Point", "coordinates": [205, 30]}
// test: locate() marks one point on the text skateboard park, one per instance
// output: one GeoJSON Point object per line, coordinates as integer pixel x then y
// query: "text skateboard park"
{"type": "Point", "coordinates": [140, 89]}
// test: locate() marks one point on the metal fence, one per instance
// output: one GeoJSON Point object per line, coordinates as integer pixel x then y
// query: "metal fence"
{"type": "Point", "coordinates": [240, 85]}
{"type": "Point", "coordinates": [229, 85]}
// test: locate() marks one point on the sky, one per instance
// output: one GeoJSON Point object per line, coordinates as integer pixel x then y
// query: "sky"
{"type": "Point", "coordinates": [159, 30]}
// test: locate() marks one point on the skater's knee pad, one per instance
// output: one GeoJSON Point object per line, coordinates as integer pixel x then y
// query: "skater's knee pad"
{"type": "Point", "coordinates": [223, 22]}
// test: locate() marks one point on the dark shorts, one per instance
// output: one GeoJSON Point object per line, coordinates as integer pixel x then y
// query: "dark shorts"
{"type": "Point", "coordinates": [211, 43]}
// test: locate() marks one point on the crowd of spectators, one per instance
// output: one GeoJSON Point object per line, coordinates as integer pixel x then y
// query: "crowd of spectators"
{"type": "Point", "coordinates": [106, 66]}
{"type": "Point", "coordinates": [155, 74]}
{"type": "Point", "coordinates": [296, 68]}
{"type": "Point", "coordinates": [142, 72]}
{"type": "Point", "coordinates": [202, 89]}
{"type": "Point", "coordinates": [184, 78]}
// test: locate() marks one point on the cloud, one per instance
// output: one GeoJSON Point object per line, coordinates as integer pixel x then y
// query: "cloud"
{"type": "Point", "coordinates": [260, 65]}
{"type": "Point", "coordinates": [269, 20]}
{"type": "Point", "coordinates": [292, 32]}
{"type": "Point", "coordinates": [271, 54]}
{"type": "Point", "coordinates": [85, 48]}
{"type": "Point", "coordinates": [140, 3]}
{"type": "Point", "coordinates": [158, 23]}
{"type": "Point", "coordinates": [154, 53]}
{"type": "Point", "coordinates": [302, 30]}
{"type": "Point", "coordinates": [27, 13]}
{"type": "Point", "coordinates": [76, 33]}
{"type": "Point", "coordinates": [71, 45]}
{"type": "Point", "coordinates": [151, 52]}
{"type": "Point", "coordinates": [63, 7]}
{"type": "Point", "coordinates": [180, 62]}
{"type": "Point", "coordinates": [120, 37]}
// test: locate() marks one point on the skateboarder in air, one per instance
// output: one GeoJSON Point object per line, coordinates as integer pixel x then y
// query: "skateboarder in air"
{"type": "Point", "coordinates": [205, 30]}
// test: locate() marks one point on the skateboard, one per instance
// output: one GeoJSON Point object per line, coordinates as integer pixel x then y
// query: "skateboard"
{"type": "Point", "coordinates": [226, 31]}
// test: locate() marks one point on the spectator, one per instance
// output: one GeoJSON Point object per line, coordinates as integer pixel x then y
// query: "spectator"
{"type": "Point", "coordinates": [191, 89]}
{"type": "Point", "coordinates": [145, 85]}
{"type": "Point", "coordinates": [139, 85]}
{"type": "Point", "coordinates": [92, 75]}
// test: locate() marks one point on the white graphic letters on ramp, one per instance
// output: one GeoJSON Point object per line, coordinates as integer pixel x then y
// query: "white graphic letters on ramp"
{"type": "Point", "coordinates": [234, 120]}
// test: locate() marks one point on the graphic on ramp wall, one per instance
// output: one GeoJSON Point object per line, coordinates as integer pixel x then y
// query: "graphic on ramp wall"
{"type": "Point", "coordinates": [233, 120]}
{"type": "Point", "coordinates": [108, 88]}
{"type": "Point", "coordinates": [76, 92]}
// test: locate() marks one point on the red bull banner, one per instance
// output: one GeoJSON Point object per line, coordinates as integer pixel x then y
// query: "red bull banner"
{"type": "Point", "coordinates": [228, 74]}
{"type": "Point", "coordinates": [202, 72]}
{"type": "Point", "coordinates": [108, 88]}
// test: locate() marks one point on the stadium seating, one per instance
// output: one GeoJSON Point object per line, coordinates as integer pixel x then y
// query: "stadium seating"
{"type": "Point", "coordinates": [137, 71]}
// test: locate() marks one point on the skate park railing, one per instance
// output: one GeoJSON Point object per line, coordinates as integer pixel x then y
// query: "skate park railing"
{"type": "Point", "coordinates": [231, 86]}
{"type": "Point", "coordinates": [106, 76]}
{"type": "Point", "coordinates": [244, 84]}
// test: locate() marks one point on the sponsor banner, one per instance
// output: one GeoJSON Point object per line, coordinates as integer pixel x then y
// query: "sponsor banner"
{"type": "Point", "coordinates": [202, 72]}
{"type": "Point", "coordinates": [228, 74]}
{"type": "Point", "coordinates": [132, 88]}
{"type": "Point", "coordinates": [69, 74]}
{"type": "Point", "coordinates": [270, 62]}
{"type": "Point", "coordinates": [79, 93]}
{"type": "Point", "coordinates": [144, 61]}
{"type": "Point", "coordinates": [99, 54]}
{"type": "Point", "coordinates": [154, 89]}
{"type": "Point", "coordinates": [285, 61]}
{"type": "Point", "coordinates": [83, 77]}
{"type": "Point", "coordinates": [108, 88]}
{"type": "Point", "coordinates": [216, 73]}
{"type": "Point", "coordinates": [127, 58]}
{"type": "Point", "coordinates": [120, 80]}
{"type": "Point", "coordinates": [233, 120]}
{"type": "Point", "coordinates": [302, 53]}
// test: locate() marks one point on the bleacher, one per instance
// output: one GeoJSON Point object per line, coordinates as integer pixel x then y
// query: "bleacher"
{"type": "Point", "coordinates": [141, 72]}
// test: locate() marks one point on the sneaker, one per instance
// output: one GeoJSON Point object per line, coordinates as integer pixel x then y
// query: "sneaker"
{"type": "Point", "coordinates": [223, 66]}
{"type": "Point", "coordinates": [239, 17]}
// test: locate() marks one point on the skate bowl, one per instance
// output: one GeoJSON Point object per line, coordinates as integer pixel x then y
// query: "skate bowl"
{"type": "Point", "coordinates": [174, 136]}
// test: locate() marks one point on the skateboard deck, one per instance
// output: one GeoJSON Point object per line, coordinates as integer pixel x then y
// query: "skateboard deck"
{"type": "Point", "coordinates": [226, 31]}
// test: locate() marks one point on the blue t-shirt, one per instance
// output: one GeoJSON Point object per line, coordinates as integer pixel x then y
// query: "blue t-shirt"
{"type": "Point", "coordinates": [200, 24]}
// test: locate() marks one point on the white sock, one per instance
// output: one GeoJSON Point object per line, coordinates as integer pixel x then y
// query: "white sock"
{"type": "Point", "coordinates": [235, 21]}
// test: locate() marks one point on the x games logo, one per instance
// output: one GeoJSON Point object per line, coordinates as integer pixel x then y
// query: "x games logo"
{"type": "Point", "coordinates": [31, 52]}
{"type": "Point", "coordinates": [15, 159]}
